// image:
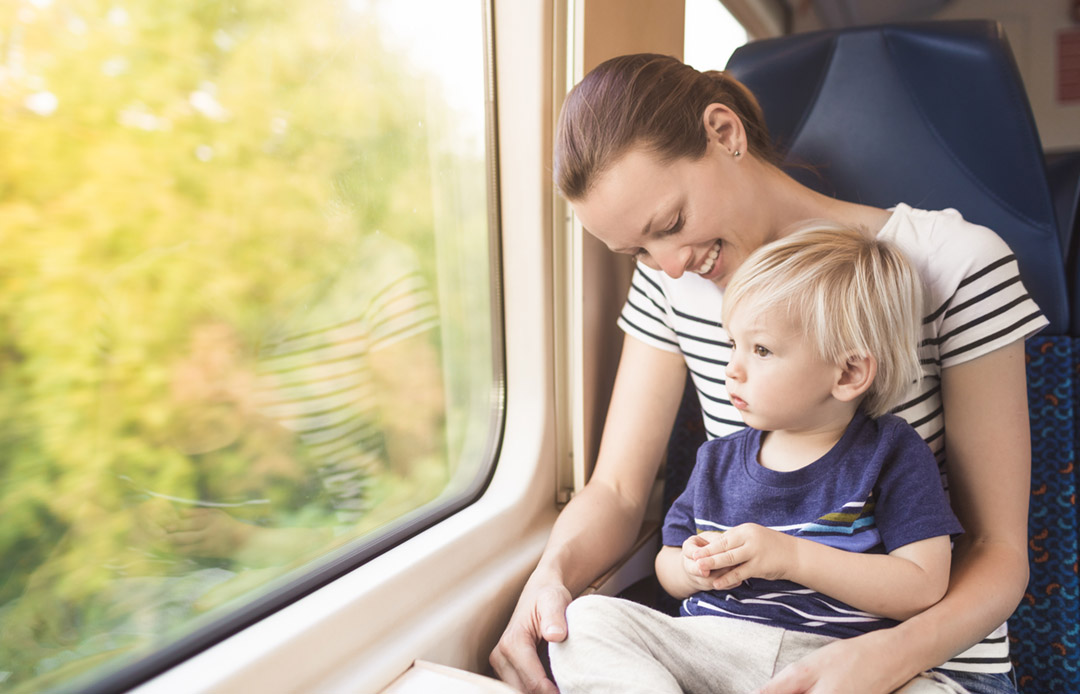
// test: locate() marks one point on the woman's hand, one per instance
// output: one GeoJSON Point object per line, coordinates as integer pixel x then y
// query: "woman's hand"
{"type": "Point", "coordinates": [601, 521]}
{"type": "Point", "coordinates": [540, 615]}
{"type": "Point", "coordinates": [846, 666]}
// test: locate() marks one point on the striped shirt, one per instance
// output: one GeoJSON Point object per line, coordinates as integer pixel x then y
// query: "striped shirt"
{"type": "Point", "coordinates": [315, 377]}
{"type": "Point", "coordinates": [975, 304]}
{"type": "Point", "coordinates": [876, 490]}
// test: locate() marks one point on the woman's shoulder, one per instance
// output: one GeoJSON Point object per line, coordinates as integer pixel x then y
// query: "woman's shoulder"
{"type": "Point", "coordinates": [938, 230]}
{"type": "Point", "coordinates": [943, 246]}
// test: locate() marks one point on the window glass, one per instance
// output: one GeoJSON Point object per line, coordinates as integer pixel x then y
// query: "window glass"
{"type": "Point", "coordinates": [711, 35]}
{"type": "Point", "coordinates": [246, 318]}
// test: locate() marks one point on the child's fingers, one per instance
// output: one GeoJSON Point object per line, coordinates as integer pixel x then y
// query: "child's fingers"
{"type": "Point", "coordinates": [716, 543]}
{"type": "Point", "coordinates": [691, 545]}
{"type": "Point", "coordinates": [723, 557]}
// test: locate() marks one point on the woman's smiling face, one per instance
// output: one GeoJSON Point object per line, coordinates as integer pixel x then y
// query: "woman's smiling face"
{"type": "Point", "coordinates": [686, 216]}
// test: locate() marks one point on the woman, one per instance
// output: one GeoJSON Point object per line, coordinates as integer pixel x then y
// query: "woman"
{"type": "Point", "coordinates": [675, 167]}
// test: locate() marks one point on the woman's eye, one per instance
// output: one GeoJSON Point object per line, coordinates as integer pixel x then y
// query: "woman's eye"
{"type": "Point", "coordinates": [674, 228]}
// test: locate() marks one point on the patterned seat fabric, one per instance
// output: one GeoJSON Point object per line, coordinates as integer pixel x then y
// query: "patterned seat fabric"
{"type": "Point", "coordinates": [1044, 628]}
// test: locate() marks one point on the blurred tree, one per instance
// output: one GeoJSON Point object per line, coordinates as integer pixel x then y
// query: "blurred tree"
{"type": "Point", "coordinates": [165, 167]}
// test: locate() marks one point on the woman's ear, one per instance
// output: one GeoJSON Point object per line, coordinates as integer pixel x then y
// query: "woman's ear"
{"type": "Point", "coordinates": [724, 129]}
{"type": "Point", "coordinates": [856, 377]}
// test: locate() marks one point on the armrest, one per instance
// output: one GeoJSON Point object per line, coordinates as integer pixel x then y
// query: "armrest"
{"type": "Point", "coordinates": [636, 565]}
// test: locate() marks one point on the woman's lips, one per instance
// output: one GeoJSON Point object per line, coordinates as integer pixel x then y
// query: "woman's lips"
{"type": "Point", "coordinates": [712, 265]}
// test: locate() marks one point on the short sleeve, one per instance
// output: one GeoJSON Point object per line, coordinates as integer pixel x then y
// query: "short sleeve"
{"type": "Point", "coordinates": [679, 522]}
{"type": "Point", "coordinates": [979, 304]}
{"type": "Point", "coordinates": [910, 503]}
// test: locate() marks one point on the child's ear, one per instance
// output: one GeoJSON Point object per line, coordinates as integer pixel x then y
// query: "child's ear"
{"type": "Point", "coordinates": [856, 376]}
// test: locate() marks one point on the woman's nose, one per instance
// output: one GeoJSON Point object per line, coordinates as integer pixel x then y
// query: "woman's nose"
{"type": "Point", "coordinates": [672, 259]}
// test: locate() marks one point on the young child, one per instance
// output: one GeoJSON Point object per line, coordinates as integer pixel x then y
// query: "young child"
{"type": "Point", "coordinates": [825, 519]}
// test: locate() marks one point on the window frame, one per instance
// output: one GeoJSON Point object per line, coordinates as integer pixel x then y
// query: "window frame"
{"type": "Point", "coordinates": [451, 585]}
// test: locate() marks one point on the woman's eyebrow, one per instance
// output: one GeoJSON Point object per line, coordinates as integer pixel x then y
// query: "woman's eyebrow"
{"type": "Point", "coordinates": [644, 232]}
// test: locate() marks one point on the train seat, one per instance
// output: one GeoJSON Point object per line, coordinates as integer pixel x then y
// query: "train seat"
{"type": "Point", "coordinates": [1063, 173]}
{"type": "Point", "coordinates": [935, 115]}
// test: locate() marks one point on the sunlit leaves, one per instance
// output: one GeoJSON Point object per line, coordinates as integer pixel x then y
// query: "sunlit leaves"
{"type": "Point", "coordinates": [173, 176]}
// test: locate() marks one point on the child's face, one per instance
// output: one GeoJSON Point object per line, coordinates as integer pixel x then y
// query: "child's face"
{"type": "Point", "coordinates": [774, 378]}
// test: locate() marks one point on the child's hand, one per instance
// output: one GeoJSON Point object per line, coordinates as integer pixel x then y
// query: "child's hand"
{"type": "Point", "coordinates": [694, 552]}
{"type": "Point", "coordinates": [746, 551]}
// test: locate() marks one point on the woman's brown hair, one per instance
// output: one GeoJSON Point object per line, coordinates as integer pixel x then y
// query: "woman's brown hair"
{"type": "Point", "coordinates": [649, 100]}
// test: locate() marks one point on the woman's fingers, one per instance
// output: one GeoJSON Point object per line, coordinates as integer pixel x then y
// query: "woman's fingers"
{"type": "Point", "coordinates": [515, 658]}
{"type": "Point", "coordinates": [551, 607]}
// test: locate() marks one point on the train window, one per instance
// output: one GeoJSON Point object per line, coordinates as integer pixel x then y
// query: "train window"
{"type": "Point", "coordinates": [711, 34]}
{"type": "Point", "coordinates": [247, 328]}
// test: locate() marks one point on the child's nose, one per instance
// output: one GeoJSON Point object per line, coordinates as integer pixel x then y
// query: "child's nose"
{"type": "Point", "coordinates": [733, 371]}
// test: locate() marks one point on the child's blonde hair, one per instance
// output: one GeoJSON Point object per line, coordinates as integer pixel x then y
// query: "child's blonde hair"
{"type": "Point", "coordinates": [851, 294]}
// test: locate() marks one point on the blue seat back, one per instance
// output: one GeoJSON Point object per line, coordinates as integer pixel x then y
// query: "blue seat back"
{"type": "Point", "coordinates": [1063, 172]}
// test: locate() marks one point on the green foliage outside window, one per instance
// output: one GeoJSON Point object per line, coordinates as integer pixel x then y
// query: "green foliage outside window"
{"type": "Point", "coordinates": [175, 178]}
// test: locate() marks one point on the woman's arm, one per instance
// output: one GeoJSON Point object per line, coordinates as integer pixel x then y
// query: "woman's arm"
{"type": "Point", "coordinates": [988, 447]}
{"type": "Point", "coordinates": [601, 522]}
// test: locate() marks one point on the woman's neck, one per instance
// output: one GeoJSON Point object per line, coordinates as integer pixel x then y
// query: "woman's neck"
{"type": "Point", "coordinates": [796, 204]}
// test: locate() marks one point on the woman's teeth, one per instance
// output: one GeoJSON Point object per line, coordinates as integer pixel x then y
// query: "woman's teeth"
{"type": "Point", "coordinates": [707, 266]}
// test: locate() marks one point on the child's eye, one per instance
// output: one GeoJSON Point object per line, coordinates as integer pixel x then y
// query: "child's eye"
{"type": "Point", "coordinates": [762, 351]}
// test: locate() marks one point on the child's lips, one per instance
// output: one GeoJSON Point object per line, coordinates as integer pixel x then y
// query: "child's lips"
{"type": "Point", "coordinates": [737, 402]}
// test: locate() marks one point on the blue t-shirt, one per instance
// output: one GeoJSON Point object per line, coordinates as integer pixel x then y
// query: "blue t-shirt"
{"type": "Point", "coordinates": [876, 490]}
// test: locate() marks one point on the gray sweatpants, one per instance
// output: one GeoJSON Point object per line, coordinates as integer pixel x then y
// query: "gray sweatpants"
{"type": "Point", "coordinates": [621, 647]}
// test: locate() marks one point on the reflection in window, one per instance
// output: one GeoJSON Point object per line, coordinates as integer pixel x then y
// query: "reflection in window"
{"type": "Point", "coordinates": [245, 318]}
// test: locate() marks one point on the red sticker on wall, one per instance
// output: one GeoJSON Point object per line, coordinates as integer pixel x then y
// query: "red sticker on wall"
{"type": "Point", "coordinates": [1068, 62]}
